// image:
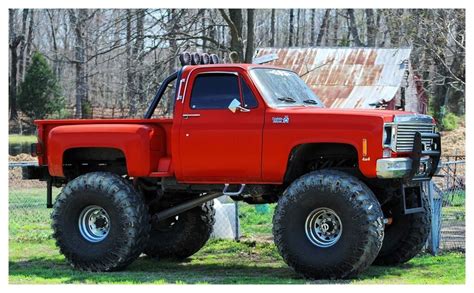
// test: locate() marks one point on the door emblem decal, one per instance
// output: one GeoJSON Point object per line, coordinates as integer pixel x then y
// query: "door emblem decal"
{"type": "Point", "coordinates": [284, 119]}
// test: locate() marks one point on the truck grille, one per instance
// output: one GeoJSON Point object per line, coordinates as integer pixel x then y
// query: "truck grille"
{"type": "Point", "coordinates": [406, 135]}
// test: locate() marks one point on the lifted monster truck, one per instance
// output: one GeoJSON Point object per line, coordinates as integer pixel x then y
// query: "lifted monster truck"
{"type": "Point", "coordinates": [347, 182]}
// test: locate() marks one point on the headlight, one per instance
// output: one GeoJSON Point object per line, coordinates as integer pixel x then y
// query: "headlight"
{"type": "Point", "coordinates": [387, 135]}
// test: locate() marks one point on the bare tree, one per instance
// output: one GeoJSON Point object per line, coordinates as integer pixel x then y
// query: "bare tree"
{"type": "Point", "coordinates": [371, 29]}
{"type": "Point", "coordinates": [290, 34]}
{"type": "Point", "coordinates": [235, 23]}
{"type": "Point", "coordinates": [335, 37]}
{"type": "Point", "coordinates": [313, 14]}
{"type": "Point", "coordinates": [21, 57]}
{"type": "Point", "coordinates": [78, 22]}
{"type": "Point", "coordinates": [297, 41]}
{"type": "Point", "coordinates": [250, 35]}
{"type": "Point", "coordinates": [113, 58]}
{"type": "Point", "coordinates": [272, 29]}
{"type": "Point", "coordinates": [353, 28]}
{"type": "Point", "coordinates": [323, 27]}
{"type": "Point", "coordinates": [15, 41]}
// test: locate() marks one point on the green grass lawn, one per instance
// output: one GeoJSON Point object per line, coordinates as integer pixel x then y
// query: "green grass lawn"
{"type": "Point", "coordinates": [34, 258]}
{"type": "Point", "coordinates": [17, 138]}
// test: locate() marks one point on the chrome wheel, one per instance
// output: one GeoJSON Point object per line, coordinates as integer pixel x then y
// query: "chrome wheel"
{"type": "Point", "coordinates": [94, 223]}
{"type": "Point", "coordinates": [323, 227]}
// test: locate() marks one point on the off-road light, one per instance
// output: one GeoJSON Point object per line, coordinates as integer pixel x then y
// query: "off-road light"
{"type": "Point", "coordinates": [205, 58]}
{"type": "Point", "coordinates": [214, 59]}
{"type": "Point", "coordinates": [185, 58]}
{"type": "Point", "coordinates": [195, 59]}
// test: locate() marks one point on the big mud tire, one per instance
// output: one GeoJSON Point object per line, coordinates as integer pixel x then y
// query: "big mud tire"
{"type": "Point", "coordinates": [406, 235]}
{"type": "Point", "coordinates": [100, 222]}
{"type": "Point", "coordinates": [323, 202]}
{"type": "Point", "coordinates": [182, 236]}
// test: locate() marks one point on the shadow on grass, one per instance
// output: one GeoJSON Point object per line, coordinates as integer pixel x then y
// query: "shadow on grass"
{"type": "Point", "coordinates": [147, 270]}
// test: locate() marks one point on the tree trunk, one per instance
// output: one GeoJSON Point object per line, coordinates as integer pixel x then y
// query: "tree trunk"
{"type": "Point", "coordinates": [335, 37]}
{"type": "Point", "coordinates": [77, 23]}
{"type": "Point", "coordinates": [313, 15]}
{"type": "Point", "coordinates": [234, 21]}
{"type": "Point", "coordinates": [173, 53]}
{"type": "Point", "coordinates": [394, 25]}
{"type": "Point", "coordinates": [353, 28]}
{"type": "Point", "coordinates": [303, 28]}
{"type": "Point", "coordinates": [29, 41]}
{"type": "Point", "coordinates": [139, 48]}
{"type": "Point", "coordinates": [322, 29]}
{"type": "Point", "coordinates": [371, 29]}
{"type": "Point", "coordinates": [14, 43]}
{"type": "Point", "coordinates": [21, 57]}
{"type": "Point", "coordinates": [272, 29]}
{"type": "Point", "coordinates": [250, 35]}
{"type": "Point", "coordinates": [132, 103]}
{"type": "Point", "coordinates": [202, 12]}
{"type": "Point", "coordinates": [297, 41]}
{"type": "Point", "coordinates": [290, 34]}
{"type": "Point", "coordinates": [55, 45]}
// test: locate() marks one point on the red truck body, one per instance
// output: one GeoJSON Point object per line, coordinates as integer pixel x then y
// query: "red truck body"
{"type": "Point", "coordinates": [339, 176]}
{"type": "Point", "coordinates": [217, 146]}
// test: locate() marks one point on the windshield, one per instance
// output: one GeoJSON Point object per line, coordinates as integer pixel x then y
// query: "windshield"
{"type": "Point", "coordinates": [284, 88]}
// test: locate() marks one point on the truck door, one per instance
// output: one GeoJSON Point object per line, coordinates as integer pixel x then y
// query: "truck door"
{"type": "Point", "coordinates": [217, 144]}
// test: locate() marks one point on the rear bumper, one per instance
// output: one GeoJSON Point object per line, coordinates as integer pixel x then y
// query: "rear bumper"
{"type": "Point", "coordinates": [35, 173]}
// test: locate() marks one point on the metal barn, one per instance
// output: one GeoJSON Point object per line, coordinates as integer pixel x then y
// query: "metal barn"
{"type": "Point", "coordinates": [354, 77]}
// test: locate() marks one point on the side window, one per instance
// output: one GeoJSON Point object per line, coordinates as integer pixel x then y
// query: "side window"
{"type": "Point", "coordinates": [214, 91]}
{"type": "Point", "coordinates": [249, 99]}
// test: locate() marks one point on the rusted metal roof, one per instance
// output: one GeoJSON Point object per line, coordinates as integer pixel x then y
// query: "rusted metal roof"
{"type": "Point", "coordinates": [346, 77]}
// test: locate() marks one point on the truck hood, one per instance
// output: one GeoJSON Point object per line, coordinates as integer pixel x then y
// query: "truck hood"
{"type": "Point", "coordinates": [386, 115]}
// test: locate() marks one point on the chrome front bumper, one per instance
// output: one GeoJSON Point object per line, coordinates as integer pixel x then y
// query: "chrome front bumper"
{"type": "Point", "coordinates": [402, 167]}
{"type": "Point", "coordinates": [422, 164]}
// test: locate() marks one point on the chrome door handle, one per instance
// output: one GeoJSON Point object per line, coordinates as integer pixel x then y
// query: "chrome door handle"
{"type": "Point", "coordinates": [186, 116]}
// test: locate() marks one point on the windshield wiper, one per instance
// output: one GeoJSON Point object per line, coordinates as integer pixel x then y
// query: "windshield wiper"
{"type": "Point", "coordinates": [287, 99]}
{"type": "Point", "coordinates": [313, 102]}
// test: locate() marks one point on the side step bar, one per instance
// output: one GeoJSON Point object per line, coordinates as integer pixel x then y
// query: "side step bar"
{"type": "Point", "coordinates": [185, 206]}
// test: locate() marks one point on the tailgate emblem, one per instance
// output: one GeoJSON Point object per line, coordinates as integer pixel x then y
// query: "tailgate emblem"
{"type": "Point", "coordinates": [284, 119]}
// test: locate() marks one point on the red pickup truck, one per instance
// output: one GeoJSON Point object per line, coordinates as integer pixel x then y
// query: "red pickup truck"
{"type": "Point", "coordinates": [347, 182]}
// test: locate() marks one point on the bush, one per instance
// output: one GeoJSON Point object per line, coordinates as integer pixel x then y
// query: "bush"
{"type": "Point", "coordinates": [62, 114]}
{"type": "Point", "coordinates": [450, 121]}
{"type": "Point", "coordinates": [39, 93]}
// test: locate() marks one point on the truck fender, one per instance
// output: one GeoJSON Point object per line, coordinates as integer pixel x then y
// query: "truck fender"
{"type": "Point", "coordinates": [142, 145]}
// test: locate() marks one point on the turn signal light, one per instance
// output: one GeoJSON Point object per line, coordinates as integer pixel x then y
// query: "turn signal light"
{"type": "Point", "coordinates": [364, 147]}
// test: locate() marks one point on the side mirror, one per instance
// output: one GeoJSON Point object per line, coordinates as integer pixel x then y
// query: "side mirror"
{"type": "Point", "coordinates": [235, 105]}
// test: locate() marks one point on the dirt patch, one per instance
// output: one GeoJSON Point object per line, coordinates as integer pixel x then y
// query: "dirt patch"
{"type": "Point", "coordinates": [15, 180]}
{"type": "Point", "coordinates": [262, 238]}
{"type": "Point", "coordinates": [454, 142]}
{"type": "Point", "coordinates": [22, 158]}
